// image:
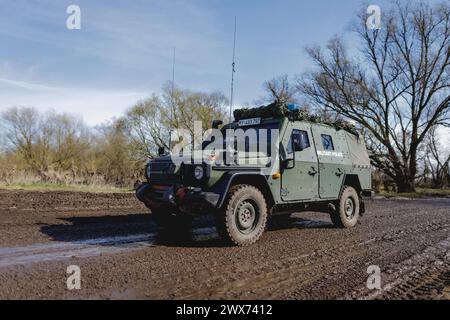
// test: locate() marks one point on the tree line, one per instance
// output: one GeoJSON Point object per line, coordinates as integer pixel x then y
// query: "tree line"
{"type": "Point", "coordinates": [394, 83]}
{"type": "Point", "coordinates": [61, 148]}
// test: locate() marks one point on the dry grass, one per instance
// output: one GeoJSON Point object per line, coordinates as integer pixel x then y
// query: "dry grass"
{"type": "Point", "coordinates": [65, 187]}
{"type": "Point", "coordinates": [420, 193]}
{"type": "Point", "coordinates": [56, 181]}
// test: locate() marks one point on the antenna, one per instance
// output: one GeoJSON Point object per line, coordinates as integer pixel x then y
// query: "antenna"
{"type": "Point", "coordinates": [233, 70]}
{"type": "Point", "coordinates": [171, 98]}
{"type": "Point", "coordinates": [173, 69]}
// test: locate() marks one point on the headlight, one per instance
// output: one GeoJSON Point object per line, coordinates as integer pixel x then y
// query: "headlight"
{"type": "Point", "coordinates": [199, 172]}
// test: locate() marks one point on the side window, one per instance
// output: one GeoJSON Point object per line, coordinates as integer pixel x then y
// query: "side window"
{"type": "Point", "coordinates": [327, 142]}
{"type": "Point", "coordinates": [300, 141]}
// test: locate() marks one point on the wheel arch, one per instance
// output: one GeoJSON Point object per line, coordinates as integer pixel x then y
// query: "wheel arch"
{"type": "Point", "coordinates": [255, 179]}
{"type": "Point", "coordinates": [351, 180]}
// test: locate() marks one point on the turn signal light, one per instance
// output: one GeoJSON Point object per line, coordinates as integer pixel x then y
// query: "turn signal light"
{"type": "Point", "coordinates": [276, 176]}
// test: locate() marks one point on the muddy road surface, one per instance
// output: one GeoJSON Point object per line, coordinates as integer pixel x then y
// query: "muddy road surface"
{"type": "Point", "coordinates": [122, 254]}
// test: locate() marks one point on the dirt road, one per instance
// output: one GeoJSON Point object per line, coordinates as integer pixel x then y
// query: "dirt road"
{"type": "Point", "coordinates": [122, 255]}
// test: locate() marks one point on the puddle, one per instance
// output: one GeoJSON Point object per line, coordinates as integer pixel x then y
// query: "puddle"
{"type": "Point", "coordinates": [55, 251]}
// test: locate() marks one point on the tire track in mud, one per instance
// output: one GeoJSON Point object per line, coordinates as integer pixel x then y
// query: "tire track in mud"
{"type": "Point", "coordinates": [306, 259]}
{"type": "Point", "coordinates": [277, 277]}
{"type": "Point", "coordinates": [423, 275]}
{"type": "Point", "coordinates": [347, 267]}
{"type": "Point", "coordinates": [330, 285]}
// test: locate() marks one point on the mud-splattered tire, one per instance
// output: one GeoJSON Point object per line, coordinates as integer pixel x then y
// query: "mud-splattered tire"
{"type": "Point", "coordinates": [168, 219]}
{"type": "Point", "coordinates": [243, 218]}
{"type": "Point", "coordinates": [346, 214]}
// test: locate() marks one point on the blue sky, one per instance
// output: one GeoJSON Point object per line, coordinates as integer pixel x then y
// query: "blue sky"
{"type": "Point", "coordinates": [123, 51]}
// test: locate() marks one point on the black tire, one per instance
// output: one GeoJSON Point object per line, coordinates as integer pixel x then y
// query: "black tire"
{"type": "Point", "coordinates": [243, 218]}
{"type": "Point", "coordinates": [346, 214]}
{"type": "Point", "coordinates": [170, 219]}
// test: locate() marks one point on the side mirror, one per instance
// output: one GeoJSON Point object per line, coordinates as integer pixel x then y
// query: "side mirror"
{"type": "Point", "coordinates": [161, 151]}
{"type": "Point", "coordinates": [216, 124]}
{"type": "Point", "coordinates": [289, 164]}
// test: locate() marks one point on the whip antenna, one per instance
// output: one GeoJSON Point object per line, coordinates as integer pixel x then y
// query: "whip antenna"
{"type": "Point", "coordinates": [173, 70]}
{"type": "Point", "coordinates": [233, 70]}
{"type": "Point", "coordinates": [171, 99]}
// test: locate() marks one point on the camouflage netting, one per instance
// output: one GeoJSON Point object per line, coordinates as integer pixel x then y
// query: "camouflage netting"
{"type": "Point", "coordinates": [275, 110]}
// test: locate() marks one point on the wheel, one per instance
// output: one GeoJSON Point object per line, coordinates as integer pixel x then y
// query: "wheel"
{"type": "Point", "coordinates": [346, 214]}
{"type": "Point", "coordinates": [170, 219]}
{"type": "Point", "coordinates": [244, 217]}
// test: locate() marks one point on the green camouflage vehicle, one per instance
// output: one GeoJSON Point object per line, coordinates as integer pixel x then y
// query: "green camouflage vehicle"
{"type": "Point", "coordinates": [305, 164]}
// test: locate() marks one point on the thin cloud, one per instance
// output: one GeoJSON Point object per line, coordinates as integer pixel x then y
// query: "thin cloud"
{"type": "Point", "coordinates": [28, 86]}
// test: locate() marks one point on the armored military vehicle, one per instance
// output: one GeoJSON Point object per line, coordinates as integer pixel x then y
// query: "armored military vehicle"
{"type": "Point", "coordinates": [306, 165]}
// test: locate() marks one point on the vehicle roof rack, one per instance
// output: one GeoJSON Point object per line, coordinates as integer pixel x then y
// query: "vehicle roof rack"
{"type": "Point", "coordinates": [294, 113]}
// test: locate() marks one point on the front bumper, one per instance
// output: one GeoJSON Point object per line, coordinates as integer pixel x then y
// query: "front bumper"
{"type": "Point", "coordinates": [184, 198]}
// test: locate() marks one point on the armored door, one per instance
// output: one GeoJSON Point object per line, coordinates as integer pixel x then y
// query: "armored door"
{"type": "Point", "coordinates": [300, 179]}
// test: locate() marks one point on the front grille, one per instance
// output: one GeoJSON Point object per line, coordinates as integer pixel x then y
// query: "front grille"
{"type": "Point", "coordinates": [164, 173]}
{"type": "Point", "coordinates": [158, 195]}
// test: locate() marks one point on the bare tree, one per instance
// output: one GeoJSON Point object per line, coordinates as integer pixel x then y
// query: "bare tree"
{"type": "Point", "coordinates": [44, 140]}
{"type": "Point", "coordinates": [280, 90]}
{"type": "Point", "coordinates": [151, 122]}
{"type": "Point", "coordinates": [21, 128]}
{"type": "Point", "coordinates": [186, 107]}
{"type": "Point", "coordinates": [114, 155]}
{"type": "Point", "coordinates": [436, 161]}
{"type": "Point", "coordinates": [397, 88]}
{"type": "Point", "coordinates": [144, 122]}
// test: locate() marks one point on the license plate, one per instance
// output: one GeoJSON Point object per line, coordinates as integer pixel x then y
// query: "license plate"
{"type": "Point", "coordinates": [249, 122]}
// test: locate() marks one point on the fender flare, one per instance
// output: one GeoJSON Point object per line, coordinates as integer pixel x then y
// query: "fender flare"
{"type": "Point", "coordinates": [223, 185]}
{"type": "Point", "coordinates": [350, 177]}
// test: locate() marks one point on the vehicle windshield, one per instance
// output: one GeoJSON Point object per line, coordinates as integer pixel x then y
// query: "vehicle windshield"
{"type": "Point", "coordinates": [255, 138]}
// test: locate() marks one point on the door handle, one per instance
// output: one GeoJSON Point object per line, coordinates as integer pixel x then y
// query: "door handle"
{"type": "Point", "coordinates": [339, 172]}
{"type": "Point", "coordinates": [312, 172]}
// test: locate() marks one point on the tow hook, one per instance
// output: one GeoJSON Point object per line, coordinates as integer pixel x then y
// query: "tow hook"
{"type": "Point", "coordinates": [175, 195]}
{"type": "Point", "coordinates": [169, 195]}
{"type": "Point", "coordinates": [180, 194]}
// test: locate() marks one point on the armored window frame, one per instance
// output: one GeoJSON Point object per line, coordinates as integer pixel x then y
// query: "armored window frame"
{"type": "Point", "coordinates": [301, 138]}
{"type": "Point", "coordinates": [267, 126]}
{"type": "Point", "coordinates": [327, 142]}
